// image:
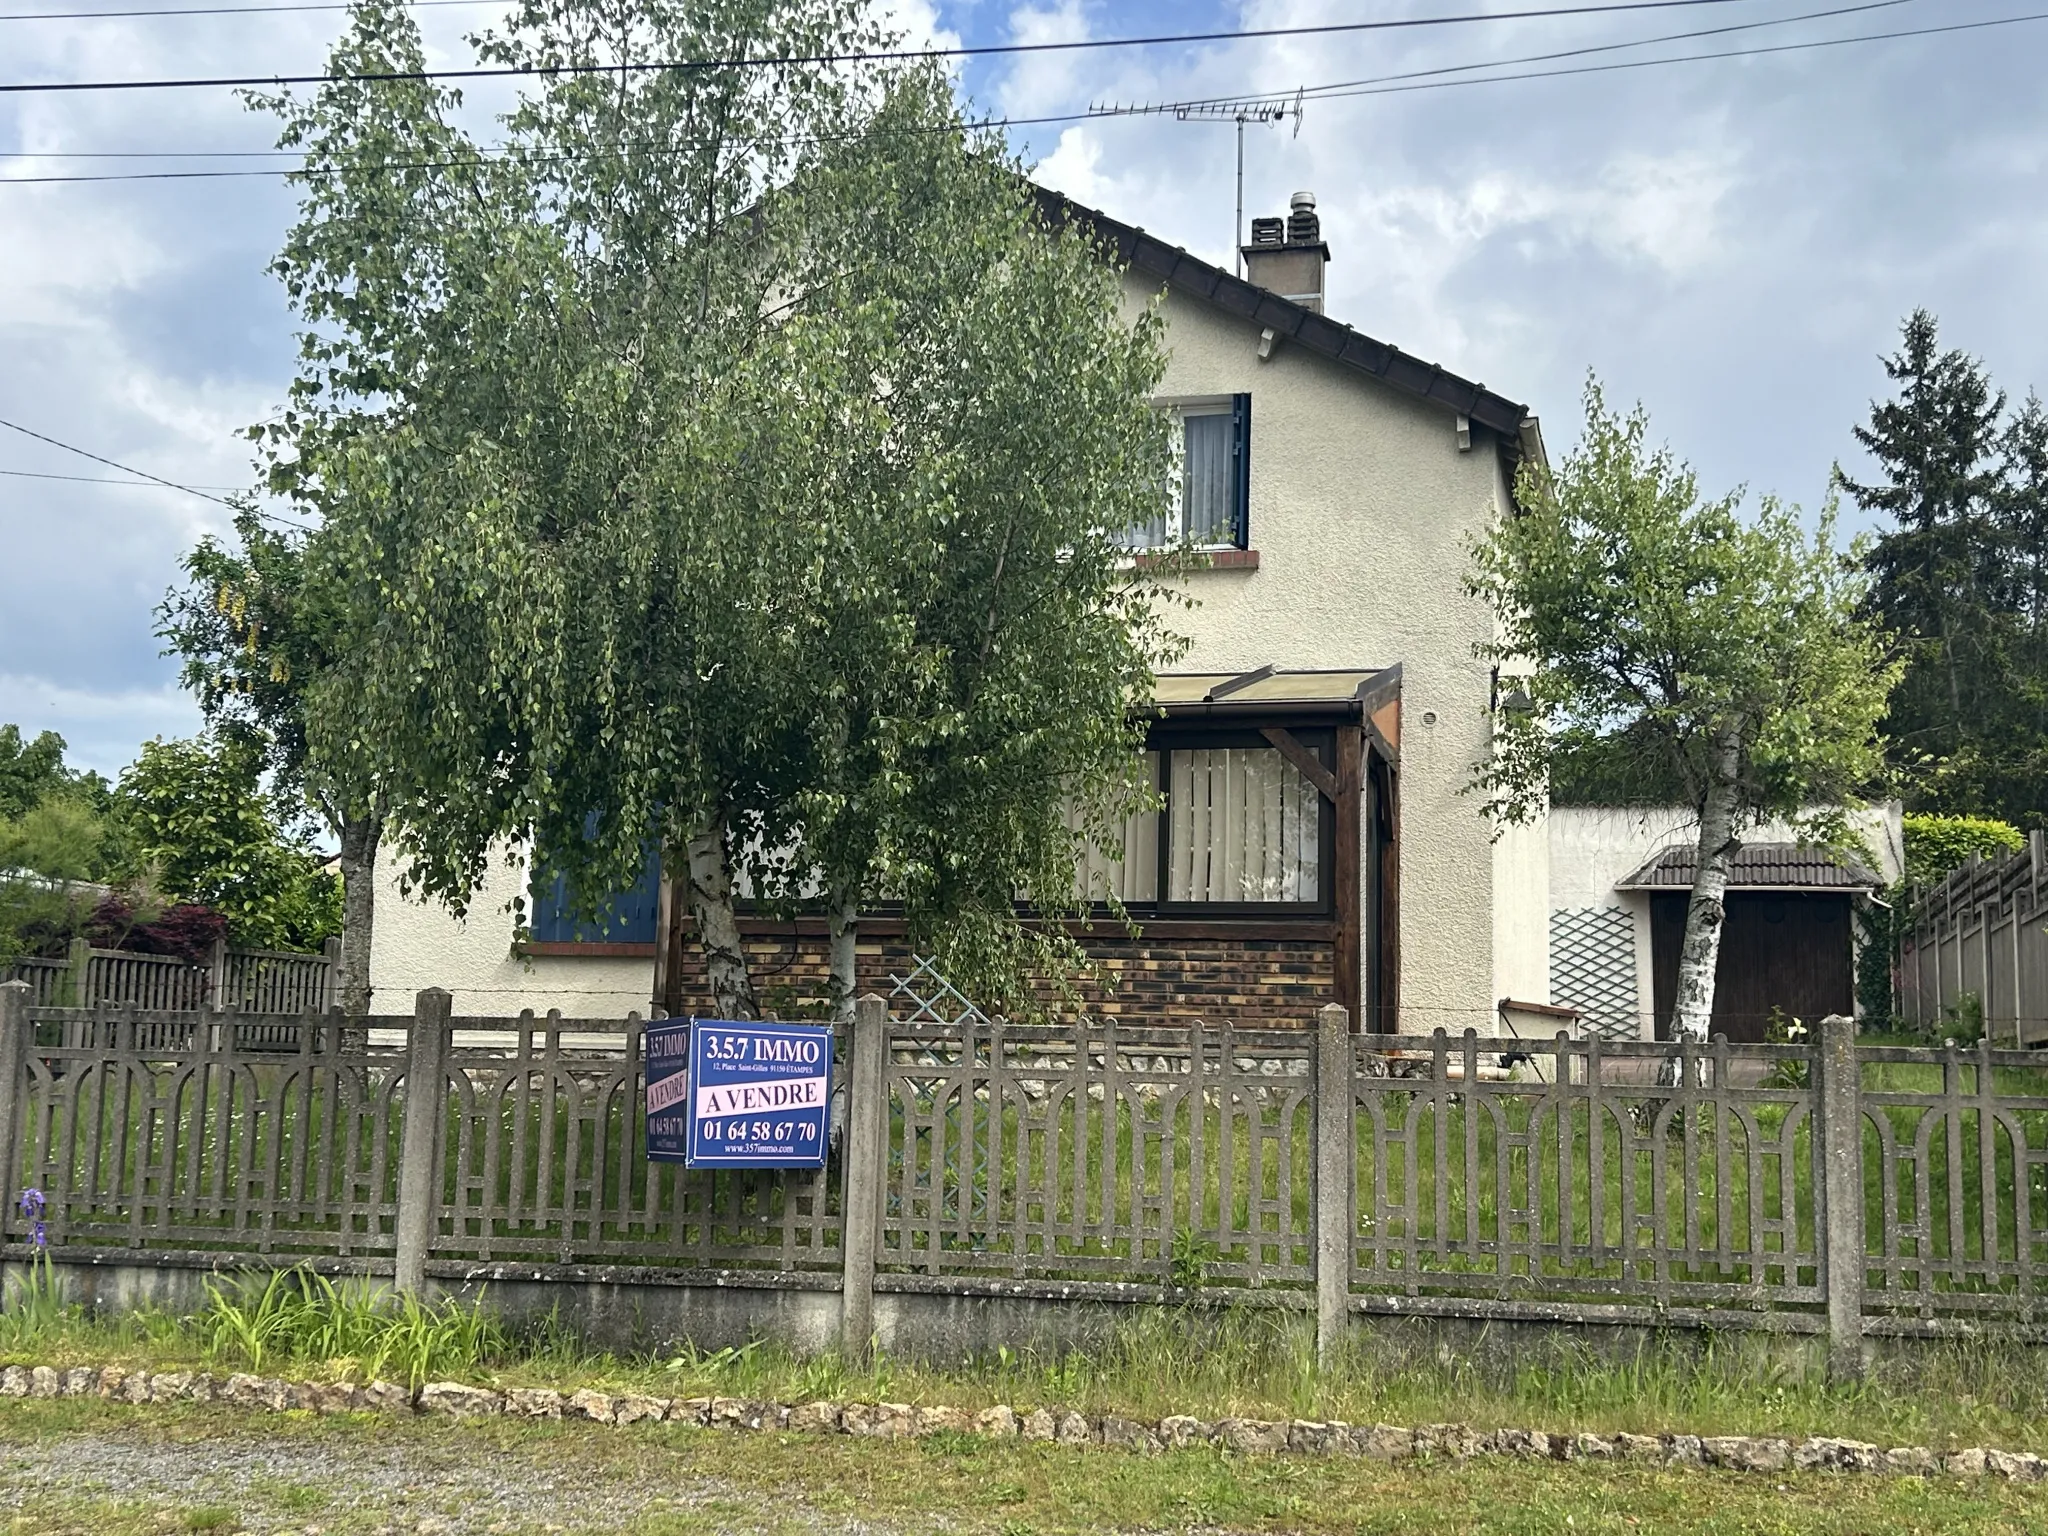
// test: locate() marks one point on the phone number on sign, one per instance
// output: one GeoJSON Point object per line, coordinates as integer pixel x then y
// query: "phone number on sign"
{"type": "Point", "coordinates": [758, 1130]}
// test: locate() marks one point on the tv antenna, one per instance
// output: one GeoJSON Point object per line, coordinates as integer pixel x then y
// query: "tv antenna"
{"type": "Point", "coordinates": [1248, 109]}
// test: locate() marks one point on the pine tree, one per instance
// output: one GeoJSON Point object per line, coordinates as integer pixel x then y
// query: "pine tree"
{"type": "Point", "coordinates": [1957, 576]}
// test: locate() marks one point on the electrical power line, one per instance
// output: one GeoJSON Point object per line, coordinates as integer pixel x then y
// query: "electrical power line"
{"type": "Point", "coordinates": [1378, 89]}
{"type": "Point", "coordinates": [126, 469]}
{"type": "Point", "coordinates": [1310, 92]}
{"type": "Point", "coordinates": [486, 153]}
{"type": "Point", "coordinates": [143, 485]}
{"type": "Point", "coordinates": [1374, 86]}
{"type": "Point", "coordinates": [1335, 88]}
{"type": "Point", "coordinates": [140, 474]}
{"type": "Point", "coordinates": [893, 55]}
{"type": "Point", "coordinates": [208, 10]}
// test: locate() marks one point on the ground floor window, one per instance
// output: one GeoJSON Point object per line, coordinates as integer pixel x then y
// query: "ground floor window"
{"type": "Point", "coordinates": [1243, 827]}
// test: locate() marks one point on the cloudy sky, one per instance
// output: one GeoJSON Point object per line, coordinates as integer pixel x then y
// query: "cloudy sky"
{"type": "Point", "coordinates": [1731, 241]}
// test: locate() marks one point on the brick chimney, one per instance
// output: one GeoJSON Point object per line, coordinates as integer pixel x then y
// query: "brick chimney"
{"type": "Point", "coordinates": [1287, 256]}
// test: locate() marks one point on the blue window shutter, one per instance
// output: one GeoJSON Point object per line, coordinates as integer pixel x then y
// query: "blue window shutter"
{"type": "Point", "coordinates": [629, 918]}
{"type": "Point", "coordinates": [1241, 452]}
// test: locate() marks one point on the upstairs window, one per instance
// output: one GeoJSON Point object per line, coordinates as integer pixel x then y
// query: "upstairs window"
{"type": "Point", "coordinates": [1212, 493]}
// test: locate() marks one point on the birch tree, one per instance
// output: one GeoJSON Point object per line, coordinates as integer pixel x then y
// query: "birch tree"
{"type": "Point", "coordinates": [1730, 653]}
{"type": "Point", "coordinates": [735, 461]}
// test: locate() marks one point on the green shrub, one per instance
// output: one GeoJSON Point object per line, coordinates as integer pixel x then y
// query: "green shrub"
{"type": "Point", "coordinates": [1937, 844]}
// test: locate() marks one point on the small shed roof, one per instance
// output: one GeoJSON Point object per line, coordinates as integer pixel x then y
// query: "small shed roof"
{"type": "Point", "coordinates": [1758, 867]}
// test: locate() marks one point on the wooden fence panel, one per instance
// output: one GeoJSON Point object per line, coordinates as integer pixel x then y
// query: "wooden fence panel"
{"type": "Point", "coordinates": [167, 1130]}
{"type": "Point", "coordinates": [252, 980]}
{"type": "Point", "coordinates": [266, 981]}
{"type": "Point", "coordinates": [1560, 1175]}
{"type": "Point", "coordinates": [1980, 933]}
{"type": "Point", "coordinates": [1587, 1179]}
{"type": "Point", "coordinates": [1958, 1172]}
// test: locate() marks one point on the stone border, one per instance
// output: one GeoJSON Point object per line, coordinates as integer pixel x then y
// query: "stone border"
{"type": "Point", "coordinates": [899, 1421]}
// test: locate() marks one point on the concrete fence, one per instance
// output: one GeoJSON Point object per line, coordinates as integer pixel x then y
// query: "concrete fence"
{"type": "Point", "coordinates": [1823, 1190]}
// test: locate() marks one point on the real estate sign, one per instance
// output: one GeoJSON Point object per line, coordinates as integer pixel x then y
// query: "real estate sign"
{"type": "Point", "coordinates": [753, 1095]}
{"type": "Point", "coordinates": [666, 1060]}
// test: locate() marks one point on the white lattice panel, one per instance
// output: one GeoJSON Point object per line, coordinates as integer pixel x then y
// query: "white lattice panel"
{"type": "Point", "coordinates": [1593, 968]}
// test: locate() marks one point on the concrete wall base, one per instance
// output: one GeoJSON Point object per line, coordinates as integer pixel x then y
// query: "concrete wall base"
{"type": "Point", "coordinates": [628, 1309]}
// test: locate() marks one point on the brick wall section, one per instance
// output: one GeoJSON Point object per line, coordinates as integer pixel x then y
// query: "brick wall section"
{"type": "Point", "coordinates": [1255, 983]}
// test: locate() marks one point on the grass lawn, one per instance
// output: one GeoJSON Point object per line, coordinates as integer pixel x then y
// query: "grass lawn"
{"type": "Point", "coordinates": [112, 1470]}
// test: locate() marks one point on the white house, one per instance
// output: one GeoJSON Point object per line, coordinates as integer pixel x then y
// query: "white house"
{"type": "Point", "coordinates": [1317, 845]}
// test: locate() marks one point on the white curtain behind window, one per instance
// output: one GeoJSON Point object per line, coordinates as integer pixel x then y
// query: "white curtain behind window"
{"type": "Point", "coordinates": [1208, 489]}
{"type": "Point", "coordinates": [1246, 827]}
{"type": "Point", "coordinates": [1136, 876]}
{"type": "Point", "coordinates": [1205, 492]}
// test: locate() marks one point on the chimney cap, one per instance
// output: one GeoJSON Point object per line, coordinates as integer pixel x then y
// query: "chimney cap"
{"type": "Point", "coordinates": [1302, 200]}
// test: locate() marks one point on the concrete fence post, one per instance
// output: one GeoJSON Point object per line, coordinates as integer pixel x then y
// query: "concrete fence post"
{"type": "Point", "coordinates": [1839, 1147]}
{"type": "Point", "coordinates": [1332, 1218]}
{"type": "Point", "coordinates": [867, 1127]}
{"type": "Point", "coordinates": [17, 1040]}
{"type": "Point", "coordinates": [78, 974]}
{"type": "Point", "coordinates": [217, 975]}
{"type": "Point", "coordinates": [426, 1106]}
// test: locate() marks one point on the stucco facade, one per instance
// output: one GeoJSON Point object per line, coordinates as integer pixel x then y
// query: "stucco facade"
{"type": "Point", "coordinates": [419, 944]}
{"type": "Point", "coordinates": [1364, 497]}
{"type": "Point", "coordinates": [1363, 507]}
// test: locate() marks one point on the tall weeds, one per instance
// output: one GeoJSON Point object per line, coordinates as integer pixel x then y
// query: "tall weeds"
{"type": "Point", "coordinates": [299, 1315]}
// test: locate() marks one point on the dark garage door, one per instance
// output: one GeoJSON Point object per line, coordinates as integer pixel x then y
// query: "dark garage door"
{"type": "Point", "coordinates": [1789, 951]}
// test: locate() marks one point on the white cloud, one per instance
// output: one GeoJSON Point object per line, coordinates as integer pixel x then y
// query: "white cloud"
{"type": "Point", "coordinates": [101, 730]}
{"type": "Point", "coordinates": [918, 22]}
{"type": "Point", "coordinates": [1038, 83]}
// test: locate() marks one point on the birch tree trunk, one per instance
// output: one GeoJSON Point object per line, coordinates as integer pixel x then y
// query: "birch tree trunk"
{"type": "Point", "coordinates": [359, 837]}
{"type": "Point", "coordinates": [1699, 952]}
{"type": "Point", "coordinates": [843, 922]}
{"type": "Point", "coordinates": [718, 929]}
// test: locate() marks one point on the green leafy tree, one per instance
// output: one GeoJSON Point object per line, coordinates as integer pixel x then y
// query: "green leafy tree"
{"type": "Point", "coordinates": [737, 461]}
{"type": "Point", "coordinates": [56, 842]}
{"type": "Point", "coordinates": [33, 771]}
{"type": "Point", "coordinates": [255, 633]}
{"type": "Point", "coordinates": [48, 855]}
{"type": "Point", "coordinates": [1728, 653]}
{"type": "Point", "coordinates": [1959, 580]}
{"type": "Point", "coordinates": [201, 820]}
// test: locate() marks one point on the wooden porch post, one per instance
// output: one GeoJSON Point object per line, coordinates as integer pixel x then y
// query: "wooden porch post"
{"type": "Point", "coordinates": [1350, 895]}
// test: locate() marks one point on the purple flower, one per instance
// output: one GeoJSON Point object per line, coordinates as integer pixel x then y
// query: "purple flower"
{"type": "Point", "coordinates": [32, 1206]}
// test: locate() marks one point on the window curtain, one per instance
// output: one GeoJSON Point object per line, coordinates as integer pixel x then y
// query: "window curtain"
{"type": "Point", "coordinates": [1135, 877]}
{"type": "Point", "coordinates": [1209, 480]}
{"type": "Point", "coordinates": [1246, 827]}
{"type": "Point", "coordinates": [1210, 491]}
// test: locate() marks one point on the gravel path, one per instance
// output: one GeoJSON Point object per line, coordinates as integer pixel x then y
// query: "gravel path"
{"type": "Point", "coordinates": [329, 1484]}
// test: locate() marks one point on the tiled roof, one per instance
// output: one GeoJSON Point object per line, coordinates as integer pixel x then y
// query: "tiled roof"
{"type": "Point", "coordinates": [1180, 269]}
{"type": "Point", "coordinates": [1759, 866]}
